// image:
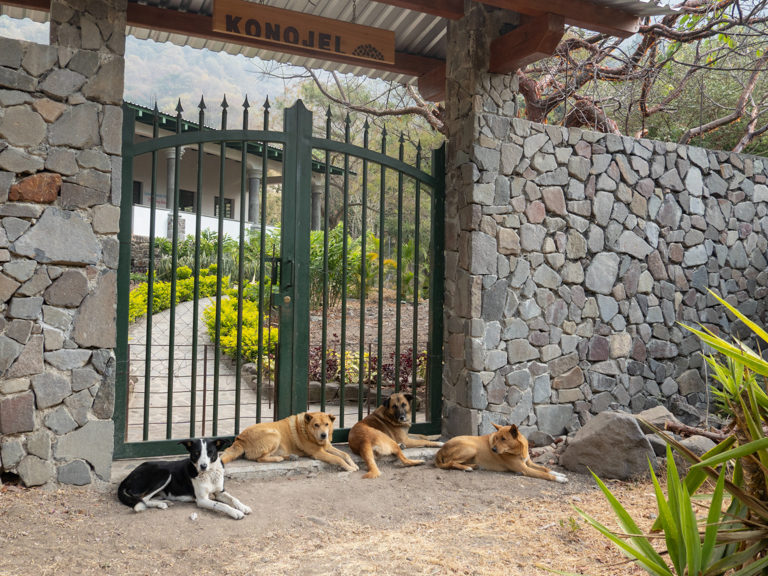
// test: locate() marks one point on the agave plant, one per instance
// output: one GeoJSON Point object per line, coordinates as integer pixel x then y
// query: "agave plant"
{"type": "Point", "coordinates": [733, 541]}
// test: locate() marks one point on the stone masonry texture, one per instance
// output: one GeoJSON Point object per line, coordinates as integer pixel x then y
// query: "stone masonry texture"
{"type": "Point", "coordinates": [581, 253]}
{"type": "Point", "coordinates": [59, 108]}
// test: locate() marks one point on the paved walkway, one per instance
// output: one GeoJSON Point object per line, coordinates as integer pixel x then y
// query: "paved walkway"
{"type": "Point", "coordinates": [181, 382]}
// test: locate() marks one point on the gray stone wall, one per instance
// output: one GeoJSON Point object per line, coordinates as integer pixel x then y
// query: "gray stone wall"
{"type": "Point", "coordinates": [60, 138]}
{"type": "Point", "coordinates": [572, 256]}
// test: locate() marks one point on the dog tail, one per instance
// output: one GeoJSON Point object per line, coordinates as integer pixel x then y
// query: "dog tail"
{"type": "Point", "coordinates": [127, 497]}
{"type": "Point", "coordinates": [233, 452]}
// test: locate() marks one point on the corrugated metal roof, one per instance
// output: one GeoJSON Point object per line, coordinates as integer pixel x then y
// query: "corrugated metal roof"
{"type": "Point", "coordinates": [415, 32]}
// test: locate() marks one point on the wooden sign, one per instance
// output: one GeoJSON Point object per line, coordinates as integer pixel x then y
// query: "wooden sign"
{"type": "Point", "coordinates": [294, 29]}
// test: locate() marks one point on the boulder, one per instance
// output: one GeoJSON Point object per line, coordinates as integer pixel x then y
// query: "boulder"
{"type": "Point", "coordinates": [658, 416]}
{"type": "Point", "coordinates": [611, 445]}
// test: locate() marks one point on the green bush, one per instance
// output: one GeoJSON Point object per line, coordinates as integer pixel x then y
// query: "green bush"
{"type": "Point", "coordinates": [161, 294]}
{"type": "Point", "coordinates": [250, 331]}
{"type": "Point", "coordinates": [733, 541]}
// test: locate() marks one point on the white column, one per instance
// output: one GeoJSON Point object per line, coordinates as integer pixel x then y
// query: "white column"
{"type": "Point", "coordinates": [254, 194]}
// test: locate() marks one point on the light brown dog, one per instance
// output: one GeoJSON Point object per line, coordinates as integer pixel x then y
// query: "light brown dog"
{"type": "Point", "coordinates": [505, 450]}
{"type": "Point", "coordinates": [305, 434]}
{"type": "Point", "coordinates": [384, 432]}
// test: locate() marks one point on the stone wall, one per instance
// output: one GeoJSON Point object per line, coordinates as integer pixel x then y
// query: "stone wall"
{"type": "Point", "coordinates": [60, 139]}
{"type": "Point", "coordinates": [572, 255]}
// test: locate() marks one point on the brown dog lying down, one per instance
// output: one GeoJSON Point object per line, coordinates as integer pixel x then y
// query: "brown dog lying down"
{"type": "Point", "coordinates": [505, 450]}
{"type": "Point", "coordinates": [384, 432]}
{"type": "Point", "coordinates": [305, 434]}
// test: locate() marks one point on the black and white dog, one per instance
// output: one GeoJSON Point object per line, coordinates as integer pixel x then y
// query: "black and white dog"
{"type": "Point", "coordinates": [199, 478]}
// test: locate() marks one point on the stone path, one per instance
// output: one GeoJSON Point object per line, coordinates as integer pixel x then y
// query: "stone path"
{"type": "Point", "coordinates": [182, 383]}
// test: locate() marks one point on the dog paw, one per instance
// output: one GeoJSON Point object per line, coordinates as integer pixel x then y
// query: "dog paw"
{"type": "Point", "coordinates": [293, 457]}
{"type": "Point", "coordinates": [402, 446]}
{"type": "Point", "coordinates": [562, 478]}
{"type": "Point", "coordinates": [246, 509]}
{"type": "Point", "coordinates": [162, 505]}
{"type": "Point", "coordinates": [237, 515]}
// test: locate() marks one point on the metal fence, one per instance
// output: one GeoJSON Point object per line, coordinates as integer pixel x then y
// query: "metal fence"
{"type": "Point", "coordinates": [328, 295]}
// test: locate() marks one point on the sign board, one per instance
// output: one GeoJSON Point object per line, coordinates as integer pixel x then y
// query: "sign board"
{"type": "Point", "coordinates": [312, 33]}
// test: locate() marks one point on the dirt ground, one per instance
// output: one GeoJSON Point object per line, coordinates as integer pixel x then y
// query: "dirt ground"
{"type": "Point", "coordinates": [416, 521]}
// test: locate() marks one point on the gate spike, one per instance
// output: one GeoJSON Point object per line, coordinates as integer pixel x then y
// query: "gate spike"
{"type": "Point", "coordinates": [328, 116]}
{"type": "Point", "coordinates": [224, 102]}
{"type": "Point", "coordinates": [384, 139]}
{"type": "Point", "coordinates": [347, 125]}
{"type": "Point", "coordinates": [266, 104]}
{"type": "Point", "coordinates": [179, 108]}
{"type": "Point", "coordinates": [266, 113]}
{"type": "Point", "coordinates": [366, 127]}
{"type": "Point", "coordinates": [202, 103]}
{"type": "Point", "coordinates": [246, 105]}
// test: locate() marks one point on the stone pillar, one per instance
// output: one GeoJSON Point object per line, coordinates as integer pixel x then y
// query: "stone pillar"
{"type": "Point", "coordinates": [317, 206]}
{"type": "Point", "coordinates": [254, 194]}
{"type": "Point", "coordinates": [60, 192]}
{"type": "Point", "coordinates": [478, 105]}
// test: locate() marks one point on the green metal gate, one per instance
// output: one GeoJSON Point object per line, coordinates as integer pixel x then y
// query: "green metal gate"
{"type": "Point", "coordinates": [268, 272]}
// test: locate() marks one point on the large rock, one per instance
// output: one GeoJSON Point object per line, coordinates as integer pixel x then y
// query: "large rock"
{"type": "Point", "coordinates": [611, 445]}
{"type": "Point", "coordinates": [77, 473]}
{"type": "Point", "coordinates": [21, 127]}
{"type": "Point", "coordinates": [40, 188]}
{"type": "Point", "coordinates": [68, 290]}
{"type": "Point", "coordinates": [30, 361]}
{"type": "Point", "coordinates": [35, 472]}
{"type": "Point", "coordinates": [17, 413]}
{"type": "Point", "coordinates": [553, 418]}
{"type": "Point", "coordinates": [658, 416]}
{"type": "Point", "coordinates": [77, 127]}
{"type": "Point", "coordinates": [50, 389]}
{"type": "Point", "coordinates": [60, 237]}
{"type": "Point", "coordinates": [95, 321]}
{"type": "Point", "coordinates": [93, 442]}
{"type": "Point", "coordinates": [602, 272]}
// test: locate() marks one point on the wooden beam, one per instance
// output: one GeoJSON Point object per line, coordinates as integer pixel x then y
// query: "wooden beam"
{"type": "Point", "coordinates": [286, 28]}
{"type": "Point", "coordinates": [451, 9]}
{"type": "Point", "coordinates": [432, 84]}
{"type": "Point", "coordinates": [536, 38]}
{"type": "Point", "coordinates": [201, 26]}
{"type": "Point", "coordinates": [432, 70]}
{"type": "Point", "coordinates": [41, 5]}
{"type": "Point", "coordinates": [581, 13]}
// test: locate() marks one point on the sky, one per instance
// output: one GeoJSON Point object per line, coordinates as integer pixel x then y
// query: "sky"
{"type": "Point", "coordinates": [185, 73]}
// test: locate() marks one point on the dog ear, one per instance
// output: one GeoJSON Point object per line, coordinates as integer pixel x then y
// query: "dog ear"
{"type": "Point", "coordinates": [408, 397]}
{"type": "Point", "coordinates": [496, 426]}
{"type": "Point", "coordinates": [513, 430]}
{"type": "Point", "coordinates": [187, 444]}
{"type": "Point", "coordinates": [307, 417]}
{"type": "Point", "coordinates": [386, 402]}
{"type": "Point", "coordinates": [332, 417]}
{"type": "Point", "coordinates": [221, 443]}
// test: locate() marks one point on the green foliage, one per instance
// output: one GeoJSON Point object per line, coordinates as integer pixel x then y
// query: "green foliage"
{"type": "Point", "coordinates": [250, 331]}
{"type": "Point", "coordinates": [335, 272]}
{"type": "Point", "coordinates": [707, 546]}
{"type": "Point", "coordinates": [138, 299]}
{"type": "Point", "coordinates": [726, 542]}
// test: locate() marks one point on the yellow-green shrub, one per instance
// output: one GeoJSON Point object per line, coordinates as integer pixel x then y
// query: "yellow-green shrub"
{"type": "Point", "coordinates": [161, 294]}
{"type": "Point", "coordinates": [250, 333]}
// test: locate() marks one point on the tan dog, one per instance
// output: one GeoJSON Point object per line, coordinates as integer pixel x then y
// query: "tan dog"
{"type": "Point", "coordinates": [505, 450]}
{"type": "Point", "coordinates": [305, 434]}
{"type": "Point", "coordinates": [384, 432]}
